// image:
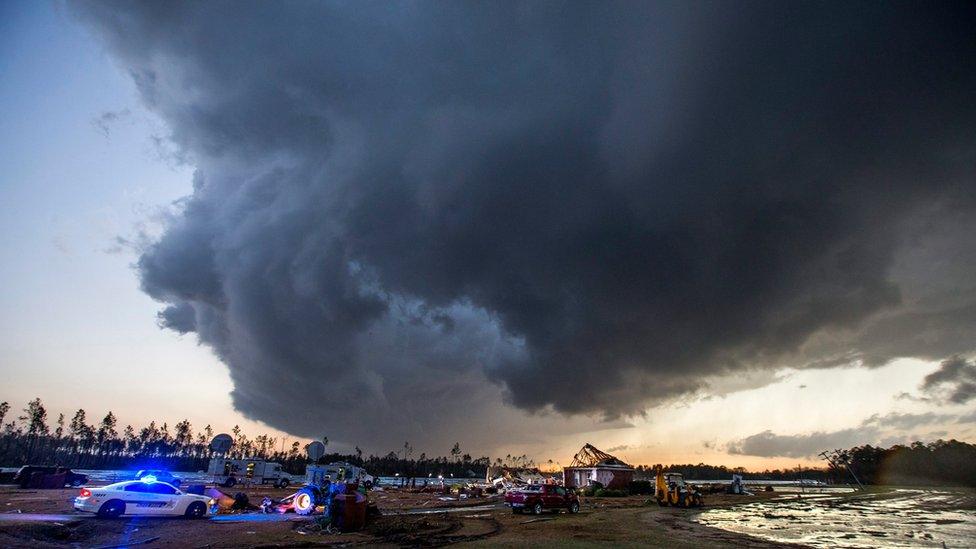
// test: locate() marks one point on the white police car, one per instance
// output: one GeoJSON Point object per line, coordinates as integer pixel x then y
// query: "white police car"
{"type": "Point", "coordinates": [142, 497]}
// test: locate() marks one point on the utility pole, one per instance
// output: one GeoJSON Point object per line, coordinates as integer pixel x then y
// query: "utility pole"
{"type": "Point", "coordinates": [836, 459]}
{"type": "Point", "coordinates": [799, 478]}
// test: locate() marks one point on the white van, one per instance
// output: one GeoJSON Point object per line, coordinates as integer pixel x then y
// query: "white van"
{"type": "Point", "coordinates": [230, 472]}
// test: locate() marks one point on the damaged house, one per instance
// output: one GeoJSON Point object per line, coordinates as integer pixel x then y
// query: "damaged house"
{"type": "Point", "coordinates": [591, 465]}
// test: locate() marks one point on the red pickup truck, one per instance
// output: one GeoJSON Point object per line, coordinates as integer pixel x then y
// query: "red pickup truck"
{"type": "Point", "coordinates": [536, 498]}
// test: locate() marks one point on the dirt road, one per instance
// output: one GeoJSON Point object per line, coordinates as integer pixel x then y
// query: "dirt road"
{"type": "Point", "coordinates": [44, 518]}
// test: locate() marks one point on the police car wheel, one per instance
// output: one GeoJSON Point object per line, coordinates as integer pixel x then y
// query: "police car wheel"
{"type": "Point", "coordinates": [196, 510]}
{"type": "Point", "coordinates": [112, 508]}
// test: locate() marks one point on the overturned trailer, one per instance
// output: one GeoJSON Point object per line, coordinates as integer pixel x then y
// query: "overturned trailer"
{"type": "Point", "coordinates": [591, 465]}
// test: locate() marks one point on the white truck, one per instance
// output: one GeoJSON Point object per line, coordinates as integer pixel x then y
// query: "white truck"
{"type": "Point", "coordinates": [336, 472]}
{"type": "Point", "coordinates": [230, 472]}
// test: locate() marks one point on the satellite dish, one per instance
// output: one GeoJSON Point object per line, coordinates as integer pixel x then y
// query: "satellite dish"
{"type": "Point", "coordinates": [221, 443]}
{"type": "Point", "coordinates": [315, 450]}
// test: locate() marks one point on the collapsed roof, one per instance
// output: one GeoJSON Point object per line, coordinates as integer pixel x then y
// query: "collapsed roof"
{"type": "Point", "coordinates": [591, 456]}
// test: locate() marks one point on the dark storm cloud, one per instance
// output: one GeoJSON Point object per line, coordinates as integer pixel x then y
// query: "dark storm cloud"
{"type": "Point", "coordinates": [596, 205]}
{"type": "Point", "coordinates": [179, 318]}
{"type": "Point", "coordinates": [955, 381]}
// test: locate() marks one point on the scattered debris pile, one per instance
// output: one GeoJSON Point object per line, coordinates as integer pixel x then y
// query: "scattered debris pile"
{"type": "Point", "coordinates": [344, 506]}
{"type": "Point", "coordinates": [226, 503]}
{"type": "Point", "coordinates": [736, 487]}
{"type": "Point", "coordinates": [508, 478]}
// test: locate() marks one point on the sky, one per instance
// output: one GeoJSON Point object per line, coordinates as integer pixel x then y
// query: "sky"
{"type": "Point", "coordinates": [736, 236]}
{"type": "Point", "coordinates": [76, 330]}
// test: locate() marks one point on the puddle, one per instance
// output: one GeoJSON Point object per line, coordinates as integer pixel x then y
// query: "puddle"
{"type": "Point", "coordinates": [893, 518]}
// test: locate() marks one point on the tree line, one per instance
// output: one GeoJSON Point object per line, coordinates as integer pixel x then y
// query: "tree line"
{"type": "Point", "coordinates": [29, 438]}
{"type": "Point", "coordinates": [702, 471]}
{"type": "Point", "coordinates": [103, 444]}
{"type": "Point", "coordinates": [918, 464]}
{"type": "Point", "coordinates": [939, 463]}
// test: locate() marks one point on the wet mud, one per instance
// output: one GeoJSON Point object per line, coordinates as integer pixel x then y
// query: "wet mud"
{"type": "Point", "coordinates": [874, 518]}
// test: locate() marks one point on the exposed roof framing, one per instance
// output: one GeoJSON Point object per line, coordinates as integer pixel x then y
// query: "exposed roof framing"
{"type": "Point", "coordinates": [591, 456]}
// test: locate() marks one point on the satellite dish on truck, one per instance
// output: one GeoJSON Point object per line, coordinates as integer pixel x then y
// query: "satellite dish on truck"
{"type": "Point", "coordinates": [221, 443]}
{"type": "Point", "coordinates": [315, 450]}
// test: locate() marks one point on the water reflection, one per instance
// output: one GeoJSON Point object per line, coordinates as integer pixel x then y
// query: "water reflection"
{"type": "Point", "coordinates": [879, 518]}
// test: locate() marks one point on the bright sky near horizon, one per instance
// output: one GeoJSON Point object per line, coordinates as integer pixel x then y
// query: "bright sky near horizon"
{"type": "Point", "coordinates": [74, 329]}
{"type": "Point", "coordinates": [87, 173]}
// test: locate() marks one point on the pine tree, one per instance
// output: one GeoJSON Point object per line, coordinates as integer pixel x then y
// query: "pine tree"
{"type": "Point", "coordinates": [183, 437]}
{"type": "Point", "coordinates": [36, 422]}
{"type": "Point", "coordinates": [106, 430]}
{"type": "Point", "coordinates": [131, 442]}
{"type": "Point", "coordinates": [78, 425]}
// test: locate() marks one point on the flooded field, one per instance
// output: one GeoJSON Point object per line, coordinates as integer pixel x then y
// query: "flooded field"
{"type": "Point", "coordinates": [877, 518]}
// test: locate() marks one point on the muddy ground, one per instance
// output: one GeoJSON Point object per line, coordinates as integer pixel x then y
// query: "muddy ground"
{"type": "Point", "coordinates": [477, 521]}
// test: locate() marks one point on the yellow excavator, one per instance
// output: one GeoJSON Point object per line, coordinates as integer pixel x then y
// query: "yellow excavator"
{"type": "Point", "coordinates": [671, 489]}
